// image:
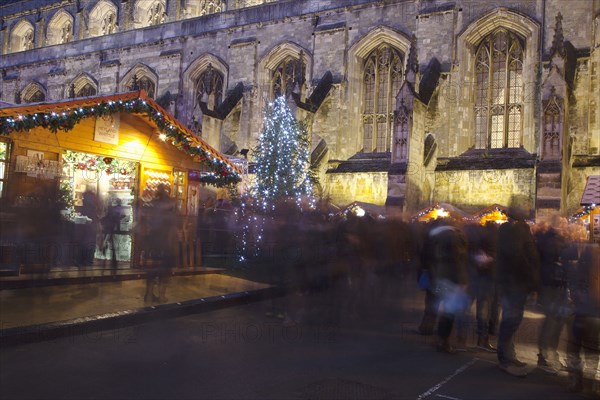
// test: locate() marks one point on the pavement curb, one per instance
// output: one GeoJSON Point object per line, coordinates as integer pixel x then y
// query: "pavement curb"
{"type": "Point", "coordinates": [121, 319]}
{"type": "Point", "coordinates": [35, 282]}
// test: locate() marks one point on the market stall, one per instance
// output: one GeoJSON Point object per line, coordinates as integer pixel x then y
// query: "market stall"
{"type": "Point", "coordinates": [81, 162]}
{"type": "Point", "coordinates": [589, 213]}
{"type": "Point", "coordinates": [493, 214]}
{"type": "Point", "coordinates": [440, 210]}
{"type": "Point", "coordinates": [361, 209]}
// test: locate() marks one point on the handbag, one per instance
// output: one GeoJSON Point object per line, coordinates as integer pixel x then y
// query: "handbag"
{"type": "Point", "coordinates": [454, 298]}
{"type": "Point", "coordinates": [425, 280]}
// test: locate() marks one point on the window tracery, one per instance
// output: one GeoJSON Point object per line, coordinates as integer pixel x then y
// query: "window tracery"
{"type": "Point", "coordinates": [156, 14]}
{"type": "Point", "coordinates": [210, 7]}
{"type": "Point", "coordinates": [382, 78]}
{"type": "Point", "coordinates": [499, 91]}
{"type": "Point", "coordinates": [551, 141]}
{"type": "Point", "coordinates": [109, 24]}
{"type": "Point", "coordinates": [103, 19]}
{"type": "Point", "coordinates": [143, 83]}
{"type": "Point", "coordinates": [209, 88]}
{"type": "Point", "coordinates": [60, 28]}
{"type": "Point", "coordinates": [33, 94]}
{"type": "Point", "coordinates": [288, 76]}
{"type": "Point", "coordinates": [402, 130]}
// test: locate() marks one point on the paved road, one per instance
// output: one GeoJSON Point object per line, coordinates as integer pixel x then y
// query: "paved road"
{"type": "Point", "coordinates": [338, 350]}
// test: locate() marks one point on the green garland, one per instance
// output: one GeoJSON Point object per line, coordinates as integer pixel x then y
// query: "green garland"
{"type": "Point", "coordinates": [223, 174]}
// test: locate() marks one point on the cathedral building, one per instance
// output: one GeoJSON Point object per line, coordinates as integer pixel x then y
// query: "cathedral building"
{"type": "Point", "coordinates": [408, 102]}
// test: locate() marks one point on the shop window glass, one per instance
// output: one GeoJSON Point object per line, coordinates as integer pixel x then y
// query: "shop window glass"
{"type": "Point", "coordinates": [111, 183]}
{"type": "Point", "coordinates": [179, 189]}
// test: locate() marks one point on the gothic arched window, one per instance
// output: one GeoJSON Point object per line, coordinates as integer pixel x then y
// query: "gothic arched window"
{"type": "Point", "coordinates": [498, 91]}
{"type": "Point", "coordinates": [402, 128]}
{"type": "Point", "coordinates": [156, 14]}
{"type": "Point", "coordinates": [22, 37]}
{"type": "Point", "coordinates": [210, 7]}
{"type": "Point", "coordinates": [86, 91]}
{"type": "Point", "coordinates": [33, 93]}
{"type": "Point", "coordinates": [209, 88]}
{"type": "Point", "coordinates": [381, 81]}
{"type": "Point", "coordinates": [287, 77]}
{"type": "Point", "coordinates": [142, 83]}
{"type": "Point", "coordinates": [103, 19]}
{"type": "Point", "coordinates": [60, 28]}
{"type": "Point", "coordinates": [552, 130]}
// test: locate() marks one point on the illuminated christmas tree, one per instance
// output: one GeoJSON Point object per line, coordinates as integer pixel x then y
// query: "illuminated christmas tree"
{"type": "Point", "coordinates": [282, 159]}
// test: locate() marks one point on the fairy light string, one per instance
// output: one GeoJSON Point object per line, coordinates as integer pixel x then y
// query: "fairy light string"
{"type": "Point", "coordinates": [221, 174]}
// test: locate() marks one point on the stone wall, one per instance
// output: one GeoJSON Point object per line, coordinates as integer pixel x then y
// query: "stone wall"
{"type": "Point", "coordinates": [472, 190]}
{"type": "Point", "coordinates": [369, 187]}
{"type": "Point", "coordinates": [334, 36]}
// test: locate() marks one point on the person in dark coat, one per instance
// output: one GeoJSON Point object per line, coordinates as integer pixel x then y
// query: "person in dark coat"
{"type": "Point", "coordinates": [518, 268]}
{"type": "Point", "coordinates": [481, 270]}
{"type": "Point", "coordinates": [161, 243]}
{"type": "Point", "coordinates": [553, 296]}
{"type": "Point", "coordinates": [584, 336]}
{"type": "Point", "coordinates": [446, 255]}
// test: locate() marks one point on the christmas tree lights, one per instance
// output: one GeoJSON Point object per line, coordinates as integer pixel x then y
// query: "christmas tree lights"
{"type": "Point", "coordinates": [283, 175]}
{"type": "Point", "coordinates": [282, 160]}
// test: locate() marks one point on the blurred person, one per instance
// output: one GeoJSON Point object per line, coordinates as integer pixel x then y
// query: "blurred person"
{"type": "Point", "coordinates": [90, 230]}
{"type": "Point", "coordinates": [481, 289]}
{"type": "Point", "coordinates": [553, 294]}
{"type": "Point", "coordinates": [111, 225]}
{"type": "Point", "coordinates": [430, 312]}
{"type": "Point", "coordinates": [161, 243]}
{"type": "Point", "coordinates": [518, 265]}
{"type": "Point", "coordinates": [584, 335]}
{"type": "Point", "coordinates": [445, 250]}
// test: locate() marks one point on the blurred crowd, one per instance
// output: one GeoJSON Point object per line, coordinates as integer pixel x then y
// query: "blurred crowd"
{"type": "Point", "coordinates": [478, 280]}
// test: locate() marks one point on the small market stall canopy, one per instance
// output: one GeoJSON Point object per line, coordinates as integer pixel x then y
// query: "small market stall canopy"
{"type": "Point", "coordinates": [65, 115]}
{"type": "Point", "coordinates": [360, 209]}
{"type": "Point", "coordinates": [440, 210]}
{"type": "Point", "coordinates": [590, 201]}
{"type": "Point", "coordinates": [494, 213]}
{"type": "Point", "coordinates": [591, 193]}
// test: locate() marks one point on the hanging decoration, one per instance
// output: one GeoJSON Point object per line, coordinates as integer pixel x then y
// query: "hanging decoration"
{"type": "Point", "coordinates": [223, 174]}
{"type": "Point", "coordinates": [90, 162]}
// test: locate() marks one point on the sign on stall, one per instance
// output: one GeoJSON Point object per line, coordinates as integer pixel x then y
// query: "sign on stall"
{"type": "Point", "coordinates": [107, 129]}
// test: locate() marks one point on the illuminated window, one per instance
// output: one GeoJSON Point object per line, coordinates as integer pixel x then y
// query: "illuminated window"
{"type": "Point", "coordinates": [4, 156]}
{"type": "Point", "coordinates": [103, 19]}
{"type": "Point", "coordinates": [179, 182]}
{"type": "Point", "coordinates": [109, 24]}
{"type": "Point", "coordinates": [22, 37]}
{"type": "Point", "coordinates": [210, 6]}
{"type": "Point", "coordinates": [499, 91]}
{"type": "Point", "coordinates": [381, 81]}
{"type": "Point", "coordinates": [156, 14]}
{"type": "Point", "coordinates": [60, 28]}
{"type": "Point", "coordinates": [287, 76]}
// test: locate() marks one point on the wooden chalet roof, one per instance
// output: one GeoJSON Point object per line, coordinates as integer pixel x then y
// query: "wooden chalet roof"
{"type": "Point", "coordinates": [591, 193]}
{"type": "Point", "coordinates": [72, 105]}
